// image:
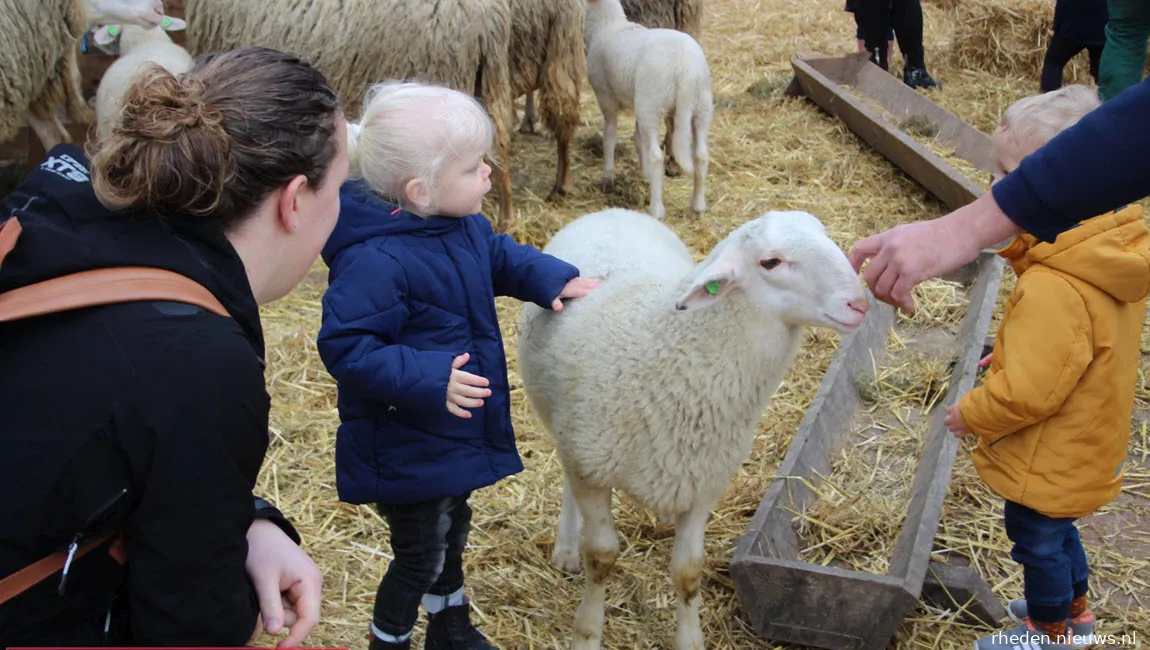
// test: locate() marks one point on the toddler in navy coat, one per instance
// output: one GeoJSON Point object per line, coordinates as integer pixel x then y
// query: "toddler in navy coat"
{"type": "Point", "coordinates": [411, 336]}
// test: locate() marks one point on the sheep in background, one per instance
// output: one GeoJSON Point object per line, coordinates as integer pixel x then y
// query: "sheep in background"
{"type": "Point", "coordinates": [138, 46]}
{"type": "Point", "coordinates": [683, 15]}
{"type": "Point", "coordinates": [657, 73]}
{"type": "Point", "coordinates": [546, 54]}
{"type": "Point", "coordinates": [357, 43]}
{"type": "Point", "coordinates": [693, 354]}
{"type": "Point", "coordinates": [41, 73]}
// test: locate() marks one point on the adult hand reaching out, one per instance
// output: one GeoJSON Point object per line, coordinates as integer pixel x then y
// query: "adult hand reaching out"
{"type": "Point", "coordinates": [907, 254]}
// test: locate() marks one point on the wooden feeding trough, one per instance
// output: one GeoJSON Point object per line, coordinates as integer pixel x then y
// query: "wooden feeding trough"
{"type": "Point", "coordinates": [829, 607]}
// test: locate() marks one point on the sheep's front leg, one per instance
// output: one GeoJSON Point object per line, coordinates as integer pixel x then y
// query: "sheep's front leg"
{"type": "Point", "coordinates": [565, 556]}
{"type": "Point", "coordinates": [610, 138]}
{"type": "Point", "coordinates": [686, 573]}
{"type": "Point", "coordinates": [600, 547]}
{"type": "Point", "coordinates": [51, 132]}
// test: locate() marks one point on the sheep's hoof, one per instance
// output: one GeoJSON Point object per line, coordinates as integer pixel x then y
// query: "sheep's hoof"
{"type": "Point", "coordinates": [566, 561]}
{"type": "Point", "coordinates": [696, 214]}
{"type": "Point", "coordinates": [608, 185]}
{"type": "Point", "coordinates": [557, 193]}
{"type": "Point", "coordinates": [527, 128]}
{"type": "Point", "coordinates": [671, 168]}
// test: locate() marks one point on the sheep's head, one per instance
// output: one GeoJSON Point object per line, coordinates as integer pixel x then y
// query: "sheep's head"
{"type": "Point", "coordinates": [145, 13]}
{"type": "Point", "coordinates": [785, 263]}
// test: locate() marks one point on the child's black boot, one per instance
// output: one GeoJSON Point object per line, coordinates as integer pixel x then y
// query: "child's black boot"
{"type": "Point", "coordinates": [451, 629]}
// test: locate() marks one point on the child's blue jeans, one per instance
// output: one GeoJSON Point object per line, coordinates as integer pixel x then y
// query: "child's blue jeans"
{"type": "Point", "coordinates": [1053, 561]}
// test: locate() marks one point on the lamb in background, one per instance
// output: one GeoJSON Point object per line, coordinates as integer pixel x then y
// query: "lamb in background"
{"type": "Point", "coordinates": [546, 54]}
{"type": "Point", "coordinates": [138, 46]}
{"type": "Point", "coordinates": [462, 44]}
{"type": "Point", "coordinates": [656, 73]}
{"type": "Point", "coordinates": [41, 73]}
{"type": "Point", "coordinates": [693, 354]}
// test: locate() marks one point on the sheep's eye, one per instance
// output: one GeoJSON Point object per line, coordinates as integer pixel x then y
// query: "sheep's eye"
{"type": "Point", "coordinates": [771, 263]}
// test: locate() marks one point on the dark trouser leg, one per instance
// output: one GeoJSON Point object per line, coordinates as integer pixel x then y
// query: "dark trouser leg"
{"type": "Point", "coordinates": [1040, 546]}
{"type": "Point", "coordinates": [1058, 54]}
{"type": "Point", "coordinates": [1095, 52]}
{"type": "Point", "coordinates": [907, 19]}
{"type": "Point", "coordinates": [1124, 56]}
{"type": "Point", "coordinates": [874, 18]}
{"type": "Point", "coordinates": [451, 577]}
{"type": "Point", "coordinates": [419, 544]}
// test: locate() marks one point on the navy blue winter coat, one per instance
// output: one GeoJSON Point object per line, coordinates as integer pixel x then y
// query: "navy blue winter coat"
{"type": "Point", "coordinates": [406, 296]}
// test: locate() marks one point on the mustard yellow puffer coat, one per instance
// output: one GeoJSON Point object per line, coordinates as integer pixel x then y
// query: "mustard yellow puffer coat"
{"type": "Point", "coordinates": [1053, 412]}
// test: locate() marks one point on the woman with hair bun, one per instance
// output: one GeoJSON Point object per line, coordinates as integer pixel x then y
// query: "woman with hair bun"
{"type": "Point", "coordinates": [145, 423]}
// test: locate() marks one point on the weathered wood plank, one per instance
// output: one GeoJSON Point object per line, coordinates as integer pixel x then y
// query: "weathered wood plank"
{"type": "Point", "coordinates": [942, 180]}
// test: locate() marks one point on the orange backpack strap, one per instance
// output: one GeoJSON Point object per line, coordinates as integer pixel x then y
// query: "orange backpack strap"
{"type": "Point", "coordinates": [97, 287]}
{"type": "Point", "coordinates": [26, 578]}
{"type": "Point", "coordinates": [77, 290]}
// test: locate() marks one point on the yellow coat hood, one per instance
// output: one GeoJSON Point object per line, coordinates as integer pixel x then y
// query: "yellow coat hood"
{"type": "Point", "coordinates": [1053, 411]}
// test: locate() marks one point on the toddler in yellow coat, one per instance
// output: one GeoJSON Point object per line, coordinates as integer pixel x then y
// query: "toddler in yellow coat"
{"type": "Point", "coordinates": [1052, 415]}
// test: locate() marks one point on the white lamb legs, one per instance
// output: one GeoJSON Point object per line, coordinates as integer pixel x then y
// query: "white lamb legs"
{"type": "Point", "coordinates": [595, 544]}
{"type": "Point", "coordinates": [610, 138]}
{"type": "Point", "coordinates": [651, 162]}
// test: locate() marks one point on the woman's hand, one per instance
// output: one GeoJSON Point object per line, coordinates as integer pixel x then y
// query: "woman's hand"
{"type": "Point", "coordinates": [576, 288]}
{"type": "Point", "coordinates": [465, 390]}
{"type": "Point", "coordinates": [286, 580]}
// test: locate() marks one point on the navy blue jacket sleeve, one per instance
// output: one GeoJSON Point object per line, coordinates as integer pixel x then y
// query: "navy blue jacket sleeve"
{"type": "Point", "coordinates": [524, 272]}
{"type": "Point", "coordinates": [364, 311]}
{"type": "Point", "coordinates": [1093, 167]}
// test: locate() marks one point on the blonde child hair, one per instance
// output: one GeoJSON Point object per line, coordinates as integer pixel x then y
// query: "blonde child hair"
{"type": "Point", "coordinates": [408, 131]}
{"type": "Point", "coordinates": [1029, 123]}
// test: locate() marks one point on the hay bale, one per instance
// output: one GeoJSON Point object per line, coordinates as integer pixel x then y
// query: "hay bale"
{"type": "Point", "coordinates": [1005, 37]}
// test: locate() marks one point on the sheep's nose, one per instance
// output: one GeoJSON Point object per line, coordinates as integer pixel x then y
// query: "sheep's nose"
{"type": "Point", "coordinates": [861, 305]}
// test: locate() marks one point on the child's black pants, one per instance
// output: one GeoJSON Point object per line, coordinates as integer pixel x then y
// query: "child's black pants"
{"type": "Point", "coordinates": [427, 541]}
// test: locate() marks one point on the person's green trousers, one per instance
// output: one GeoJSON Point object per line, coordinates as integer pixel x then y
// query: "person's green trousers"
{"type": "Point", "coordinates": [1124, 57]}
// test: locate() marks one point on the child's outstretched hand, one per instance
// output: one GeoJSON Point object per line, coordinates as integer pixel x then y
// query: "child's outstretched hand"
{"type": "Point", "coordinates": [464, 389]}
{"type": "Point", "coordinates": [576, 288]}
{"type": "Point", "coordinates": [954, 421]}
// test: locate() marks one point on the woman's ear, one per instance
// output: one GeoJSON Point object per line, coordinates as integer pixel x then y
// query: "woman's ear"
{"type": "Point", "coordinates": [290, 203]}
{"type": "Point", "coordinates": [417, 193]}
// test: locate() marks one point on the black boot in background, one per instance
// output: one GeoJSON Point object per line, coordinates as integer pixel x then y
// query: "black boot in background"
{"type": "Point", "coordinates": [451, 629]}
{"type": "Point", "coordinates": [918, 78]}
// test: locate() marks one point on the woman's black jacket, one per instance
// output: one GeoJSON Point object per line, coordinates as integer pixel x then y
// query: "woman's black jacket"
{"type": "Point", "coordinates": [149, 418]}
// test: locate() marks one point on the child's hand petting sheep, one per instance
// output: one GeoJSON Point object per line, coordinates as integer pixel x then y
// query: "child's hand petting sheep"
{"type": "Point", "coordinates": [464, 389]}
{"type": "Point", "coordinates": [576, 288]}
{"type": "Point", "coordinates": [954, 421]}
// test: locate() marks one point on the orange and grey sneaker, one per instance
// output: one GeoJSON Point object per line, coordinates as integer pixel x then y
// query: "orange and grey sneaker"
{"type": "Point", "coordinates": [1081, 627]}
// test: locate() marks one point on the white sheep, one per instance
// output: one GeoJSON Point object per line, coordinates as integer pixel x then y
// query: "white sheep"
{"type": "Point", "coordinates": [657, 73]}
{"type": "Point", "coordinates": [654, 383]}
{"type": "Point", "coordinates": [138, 46]}
{"type": "Point", "coordinates": [41, 73]}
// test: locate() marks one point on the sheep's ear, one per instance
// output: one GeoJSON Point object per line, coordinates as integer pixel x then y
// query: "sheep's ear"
{"type": "Point", "coordinates": [106, 34]}
{"type": "Point", "coordinates": [718, 275]}
{"type": "Point", "coordinates": [173, 24]}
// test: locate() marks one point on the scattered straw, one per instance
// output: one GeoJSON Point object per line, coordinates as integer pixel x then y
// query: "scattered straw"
{"type": "Point", "coordinates": [767, 152]}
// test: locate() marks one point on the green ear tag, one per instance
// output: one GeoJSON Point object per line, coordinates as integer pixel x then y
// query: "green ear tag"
{"type": "Point", "coordinates": [166, 22]}
{"type": "Point", "coordinates": [713, 287]}
{"type": "Point", "coordinates": [113, 31]}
